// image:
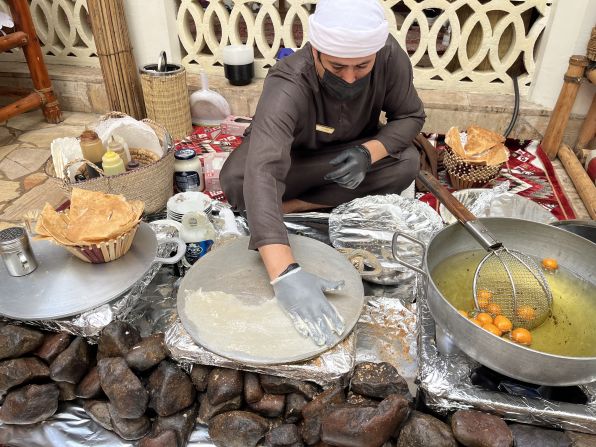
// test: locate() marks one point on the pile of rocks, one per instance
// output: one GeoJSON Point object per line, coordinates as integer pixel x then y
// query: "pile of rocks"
{"type": "Point", "coordinates": [129, 386]}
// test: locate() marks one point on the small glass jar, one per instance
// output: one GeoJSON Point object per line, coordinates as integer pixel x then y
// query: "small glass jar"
{"type": "Point", "coordinates": [188, 173]}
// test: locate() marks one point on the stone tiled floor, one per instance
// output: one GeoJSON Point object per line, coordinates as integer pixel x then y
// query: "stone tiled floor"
{"type": "Point", "coordinates": [25, 149]}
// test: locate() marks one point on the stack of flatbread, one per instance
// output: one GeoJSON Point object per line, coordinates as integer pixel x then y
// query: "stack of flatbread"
{"type": "Point", "coordinates": [481, 147]}
{"type": "Point", "coordinates": [93, 217]}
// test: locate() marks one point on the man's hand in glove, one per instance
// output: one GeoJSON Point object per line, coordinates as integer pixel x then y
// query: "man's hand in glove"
{"type": "Point", "coordinates": [301, 295]}
{"type": "Point", "coordinates": [352, 165]}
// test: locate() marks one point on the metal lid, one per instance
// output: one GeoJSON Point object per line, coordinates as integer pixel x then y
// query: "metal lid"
{"type": "Point", "coordinates": [185, 154]}
{"type": "Point", "coordinates": [89, 135]}
{"type": "Point", "coordinates": [11, 234]}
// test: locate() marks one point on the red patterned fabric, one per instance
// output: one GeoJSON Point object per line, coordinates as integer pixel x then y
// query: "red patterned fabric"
{"type": "Point", "coordinates": [530, 173]}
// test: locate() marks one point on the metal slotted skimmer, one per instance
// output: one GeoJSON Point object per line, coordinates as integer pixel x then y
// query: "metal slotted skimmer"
{"type": "Point", "coordinates": [511, 280]}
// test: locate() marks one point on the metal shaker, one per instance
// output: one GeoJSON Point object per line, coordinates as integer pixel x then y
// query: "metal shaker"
{"type": "Point", "coordinates": [16, 252]}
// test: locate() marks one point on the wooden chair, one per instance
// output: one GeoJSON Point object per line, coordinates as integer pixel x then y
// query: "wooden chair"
{"type": "Point", "coordinates": [25, 37]}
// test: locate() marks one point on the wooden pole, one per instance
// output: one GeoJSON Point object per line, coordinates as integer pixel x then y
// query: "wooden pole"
{"type": "Point", "coordinates": [583, 184]}
{"type": "Point", "coordinates": [37, 68]}
{"type": "Point", "coordinates": [13, 40]}
{"type": "Point", "coordinates": [116, 59]}
{"type": "Point", "coordinates": [560, 116]}
{"type": "Point", "coordinates": [29, 102]}
{"type": "Point", "coordinates": [588, 129]}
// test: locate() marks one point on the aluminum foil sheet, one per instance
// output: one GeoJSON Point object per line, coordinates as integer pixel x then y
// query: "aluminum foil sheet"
{"type": "Point", "coordinates": [330, 367]}
{"type": "Point", "coordinates": [446, 384]}
{"type": "Point", "coordinates": [369, 224]}
{"type": "Point", "coordinates": [498, 202]}
{"type": "Point", "coordinates": [387, 332]}
{"type": "Point", "coordinates": [90, 323]}
{"type": "Point", "coordinates": [71, 427]}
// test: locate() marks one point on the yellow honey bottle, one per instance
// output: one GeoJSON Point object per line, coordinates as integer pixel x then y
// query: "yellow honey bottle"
{"type": "Point", "coordinates": [112, 164]}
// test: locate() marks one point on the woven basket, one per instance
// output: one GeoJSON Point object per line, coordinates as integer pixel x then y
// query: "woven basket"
{"type": "Point", "coordinates": [104, 251]}
{"type": "Point", "coordinates": [152, 182]}
{"type": "Point", "coordinates": [464, 175]}
{"type": "Point", "coordinates": [166, 100]}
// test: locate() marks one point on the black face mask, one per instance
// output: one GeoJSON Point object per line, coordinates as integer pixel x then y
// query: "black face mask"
{"type": "Point", "coordinates": [340, 89]}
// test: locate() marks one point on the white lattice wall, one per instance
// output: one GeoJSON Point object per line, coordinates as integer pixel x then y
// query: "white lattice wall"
{"type": "Point", "coordinates": [487, 37]}
{"type": "Point", "coordinates": [64, 31]}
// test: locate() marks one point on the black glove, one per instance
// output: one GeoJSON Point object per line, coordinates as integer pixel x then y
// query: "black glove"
{"type": "Point", "coordinates": [352, 166]}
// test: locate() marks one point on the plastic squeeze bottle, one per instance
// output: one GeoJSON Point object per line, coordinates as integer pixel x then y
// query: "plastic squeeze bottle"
{"type": "Point", "coordinates": [112, 164]}
{"type": "Point", "coordinates": [116, 146]}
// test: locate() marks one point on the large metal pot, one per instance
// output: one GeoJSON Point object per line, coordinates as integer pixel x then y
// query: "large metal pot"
{"type": "Point", "coordinates": [539, 240]}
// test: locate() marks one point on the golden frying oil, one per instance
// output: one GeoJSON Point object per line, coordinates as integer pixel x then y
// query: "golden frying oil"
{"type": "Point", "coordinates": [568, 331]}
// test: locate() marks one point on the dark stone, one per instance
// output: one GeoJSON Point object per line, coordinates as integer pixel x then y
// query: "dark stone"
{"type": "Point", "coordinates": [129, 429]}
{"type": "Point", "coordinates": [223, 384]}
{"type": "Point", "coordinates": [282, 385]}
{"type": "Point", "coordinates": [355, 426]}
{"type": "Point", "coordinates": [53, 344]}
{"type": "Point", "coordinates": [99, 411]}
{"type": "Point", "coordinates": [166, 438]}
{"type": "Point", "coordinates": [378, 380]}
{"type": "Point", "coordinates": [295, 402]}
{"type": "Point", "coordinates": [16, 341]}
{"type": "Point", "coordinates": [181, 423]}
{"type": "Point", "coordinates": [271, 405]}
{"type": "Point", "coordinates": [72, 364]}
{"type": "Point", "coordinates": [207, 410]}
{"type": "Point", "coordinates": [314, 411]}
{"type": "Point", "coordinates": [237, 429]}
{"type": "Point", "coordinates": [123, 388]}
{"type": "Point", "coordinates": [18, 371]}
{"type": "Point", "coordinates": [531, 436]}
{"type": "Point", "coordinates": [116, 339]}
{"type": "Point", "coordinates": [199, 376]}
{"type": "Point", "coordinates": [581, 439]}
{"type": "Point", "coordinates": [423, 430]}
{"type": "Point", "coordinates": [170, 389]}
{"type": "Point", "coordinates": [29, 404]}
{"type": "Point", "coordinates": [67, 391]}
{"type": "Point", "coordinates": [147, 353]}
{"type": "Point", "coordinates": [283, 436]}
{"type": "Point", "coordinates": [253, 392]}
{"type": "Point", "coordinates": [359, 399]}
{"type": "Point", "coordinates": [476, 429]}
{"type": "Point", "coordinates": [90, 386]}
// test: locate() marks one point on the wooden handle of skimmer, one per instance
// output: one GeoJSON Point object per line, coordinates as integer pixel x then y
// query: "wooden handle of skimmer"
{"type": "Point", "coordinates": [446, 198]}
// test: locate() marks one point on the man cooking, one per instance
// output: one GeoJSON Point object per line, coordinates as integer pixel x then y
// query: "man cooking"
{"type": "Point", "coordinates": [315, 142]}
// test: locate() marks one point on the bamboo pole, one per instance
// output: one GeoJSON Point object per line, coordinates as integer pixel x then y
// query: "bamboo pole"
{"type": "Point", "coordinates": [583, 184]}
{"type": "Point", "coordinates": [117, 61]}
{"type": "Point", "coordinates": [560, 116]}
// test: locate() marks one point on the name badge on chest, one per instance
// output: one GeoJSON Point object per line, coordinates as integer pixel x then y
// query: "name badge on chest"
{"type": "Point", "coordinates": [325, 129]}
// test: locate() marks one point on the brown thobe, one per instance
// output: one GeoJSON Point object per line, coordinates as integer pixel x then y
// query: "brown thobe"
{"type": "Point", "coordinates": [286, 151]}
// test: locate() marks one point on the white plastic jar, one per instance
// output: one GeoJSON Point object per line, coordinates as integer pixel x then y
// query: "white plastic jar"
{"type": "Point", "coordinates": [188, 173]}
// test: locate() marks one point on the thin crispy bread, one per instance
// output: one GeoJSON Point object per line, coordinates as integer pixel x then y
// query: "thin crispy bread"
{"type": "Point", "coordinates": [480, 140]}
{"type": "Point", "coordinates": [453, 140]}
{"type": "Point", "coordinates": [498, 154]}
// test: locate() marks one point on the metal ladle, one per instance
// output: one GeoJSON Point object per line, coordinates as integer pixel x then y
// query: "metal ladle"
{"type": "Point", "coordinates": [509, 279]}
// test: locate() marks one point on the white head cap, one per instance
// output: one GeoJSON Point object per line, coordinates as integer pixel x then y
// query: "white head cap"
{"type": "Point", "coordinates": [348, 28]}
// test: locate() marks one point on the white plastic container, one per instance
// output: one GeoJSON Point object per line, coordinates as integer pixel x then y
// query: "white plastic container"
{"type": "Point", "coordinates": [199, 235]}
{"type": "Point", "coordinates": [188, 172]}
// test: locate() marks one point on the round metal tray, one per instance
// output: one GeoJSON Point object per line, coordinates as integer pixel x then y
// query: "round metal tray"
{"type": "Point", "coordinates": [63, 285]}
{"type": "Point", "coordinates": [238, 271]}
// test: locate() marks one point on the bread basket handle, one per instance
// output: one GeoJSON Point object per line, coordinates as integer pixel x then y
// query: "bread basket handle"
{"type": "Point", "coordinates": [66, 178]}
